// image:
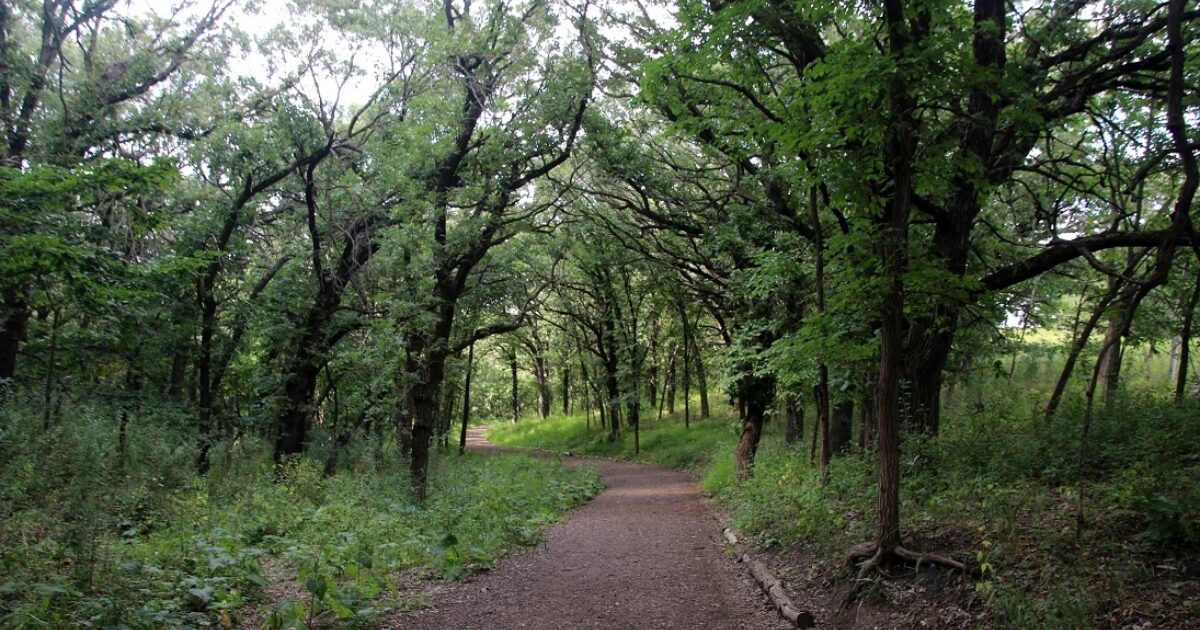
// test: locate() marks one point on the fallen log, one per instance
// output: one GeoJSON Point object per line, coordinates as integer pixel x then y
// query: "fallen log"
{"type": "Point", "coordinates": [773, 587]}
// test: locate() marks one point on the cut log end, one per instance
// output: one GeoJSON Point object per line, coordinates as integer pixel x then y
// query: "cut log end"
{"type": "Point", "coordinates": [773, 587]}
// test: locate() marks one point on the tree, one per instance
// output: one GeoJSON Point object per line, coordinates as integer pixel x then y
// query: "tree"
{"type": "Point", "coordinates": [80, 84]}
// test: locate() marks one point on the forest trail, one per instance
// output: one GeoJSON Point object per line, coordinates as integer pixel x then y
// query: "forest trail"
{"type": "Point", "coordinates": [644, 553]}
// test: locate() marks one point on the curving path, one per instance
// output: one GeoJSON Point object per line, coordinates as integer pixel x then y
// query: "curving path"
{"type": "Point", "coordinates": [645, 553]}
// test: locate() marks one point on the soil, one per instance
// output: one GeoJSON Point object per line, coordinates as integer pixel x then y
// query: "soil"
{"type": "Point", "coordinates": [645, 553]}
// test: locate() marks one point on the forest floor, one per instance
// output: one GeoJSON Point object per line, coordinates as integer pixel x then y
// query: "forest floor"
{"type": "Point", "coordinates": [646, 553]}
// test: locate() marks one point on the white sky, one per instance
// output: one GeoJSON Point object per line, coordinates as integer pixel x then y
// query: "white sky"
{"type": "Point", "coordinates": [268, 14]}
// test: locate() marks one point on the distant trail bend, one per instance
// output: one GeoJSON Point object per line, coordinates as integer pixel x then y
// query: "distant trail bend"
{"type": "Point", "coordinates": [645, 553]}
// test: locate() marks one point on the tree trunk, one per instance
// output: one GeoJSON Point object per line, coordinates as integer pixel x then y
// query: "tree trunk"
{"type": "Point", "coordinates": [204, 379]}
{"type": "Point", "coordinates": [757, 392]}
{"type": "Point", "coordinates": [178, 372]}
{"type": "Point", "coordinates": [298, 389]}
{"type": "Point", "coordinates": [892, 245]}
{"type": "Point", "coordinates": [923, 369]}
{"type": "Point", "coordinates": [541, 374]}
{"type": "Point", "coordinates": [51, 366]}
{"type": "Point", "coordinates": [821, 391]}
{"type": "Point", "coordinates": [448, 407]}
{"type": "Point", "coordinates": [701, 381]}
{"type": "Point", "coordinates": [633, 419]}
{"type": "Point", "coordinates": [653, 377]}
{"type": "Point", "coordinates": [566, 389]}
{"type": "Point", "coordinates": [613, 403]}
{"type": "Point", "coordinates": [669, 385]}
{"type": "Point", "coordinates": [1077, 347]}
{"type": "Point", "coordinates": [424, 399]}
{"type": "Point", "coordinates": [1185, 341]}
{"type": "Point", "coordinates": [687, 368]}
{"type": "Point", "coordinates": [794, 415]}
{"type": "Point", "coordinates": [466, 404]}
{"type": "Point", "coordinates": [821, 399]}
{"type": "Point", "coordinates": [516, 403]}
{"type": "Point", "coordinates": [1110, 359]}
{"type": "Point", "coordinates": [13, 331]}
{"type": "Point", "coordinates": [840, 426]}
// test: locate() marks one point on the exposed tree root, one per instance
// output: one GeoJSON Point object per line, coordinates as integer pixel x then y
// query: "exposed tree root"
{"type": "Point", "coordinates": [870, 557]}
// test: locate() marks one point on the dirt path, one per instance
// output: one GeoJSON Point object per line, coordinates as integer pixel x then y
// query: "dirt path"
{"type": "Point", "coordinates": [645, 553]}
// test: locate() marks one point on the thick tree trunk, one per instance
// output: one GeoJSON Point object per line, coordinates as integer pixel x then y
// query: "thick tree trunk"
{"type": "Point", "coordinates": [923, 369]}
{"type": "Point", "coordinates": [757, 391]}
{"type": "Point", "coordinates": [892, 245]}
{"type": "Point", "coordinates": [887, 412]}
{"type": "Point", "coordinates": [298, 389]}
{"type": "Point", "coordinates": [425, 410]}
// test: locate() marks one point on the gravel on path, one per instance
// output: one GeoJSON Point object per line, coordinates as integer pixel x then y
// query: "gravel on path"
{"type": "Point", "coordinates": [645, 553]}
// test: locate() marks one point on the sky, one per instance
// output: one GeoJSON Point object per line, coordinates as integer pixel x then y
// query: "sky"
{"type": "Point", "coordinates": [268, 14]}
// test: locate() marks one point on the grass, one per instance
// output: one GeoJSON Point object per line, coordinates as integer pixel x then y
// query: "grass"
{"type": "Point", "coordinates": [996, 486]}
{"type": "Point", "coordinates": [704, 447]}
{"type": "Point", "coordinates": [86, 542]}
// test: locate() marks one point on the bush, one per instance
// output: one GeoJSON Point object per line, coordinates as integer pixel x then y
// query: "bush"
{"type": "Point", "coordinates": [90, 539]}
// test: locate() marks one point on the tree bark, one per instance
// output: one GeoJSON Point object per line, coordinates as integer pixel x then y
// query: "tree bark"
{"type": "Point", "coordinates": [893, 243]}
{"type": "Point", "coordinates": [757, 392]}
{"type": "Point", "coordinates": [1185, 341]}
{"type": "Point", "coordinates": [821, 400]}
{"type": "Point", "coordinates": [1111, 355]}
{"type": "Point", "coordinates": [669, 385]}
{"type": "Point", "coordinates": [687, 369]}
{"type": "Point", "coordinates": [466, 404]}
{"type": "Point", "coordinates": [840, 424]}
{"type": "Point", "coordinates": [516, 402]}
{"type": "Point", "coordinates": [566, 389]}
{"type": "Point", "coordinates": [178, 372]}
{"type": "Point", "coordinates": [1080, 342]}
{"type": "Point", "coordinates": [541, 374]}
{"type": "Point", "coordinates": [701, 381]}
{"type": "Point", "coordinates": [51, 373]}
{"type": "Point", "coordinates": [794, 419]}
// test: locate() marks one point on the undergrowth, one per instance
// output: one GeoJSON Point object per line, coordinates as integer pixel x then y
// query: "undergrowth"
{"type": "Point", "coordinates": [88, 541]}
{"type": "Point", "coordinates": [997, 486]}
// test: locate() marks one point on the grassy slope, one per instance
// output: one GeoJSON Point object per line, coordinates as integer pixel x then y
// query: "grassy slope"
{"type": "Point", "coordinates": [997, 486]}
{"type": "Point", "coordinates": [82, 541]}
